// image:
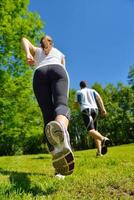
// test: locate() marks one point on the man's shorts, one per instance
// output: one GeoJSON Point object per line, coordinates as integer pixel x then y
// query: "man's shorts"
{"type": "Point", "coordinates": [90, 118]}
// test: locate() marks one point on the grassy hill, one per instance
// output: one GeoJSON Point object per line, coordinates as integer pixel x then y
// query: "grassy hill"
{"type": "Point", "coordinates": [30, 177]}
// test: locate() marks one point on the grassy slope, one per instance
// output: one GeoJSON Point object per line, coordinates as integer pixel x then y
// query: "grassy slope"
{"type": "Point", "coordinates": [31, 177]}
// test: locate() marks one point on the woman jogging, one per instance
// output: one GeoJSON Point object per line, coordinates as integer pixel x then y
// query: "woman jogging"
{"type": "Point", "coordinates": [51, 87]}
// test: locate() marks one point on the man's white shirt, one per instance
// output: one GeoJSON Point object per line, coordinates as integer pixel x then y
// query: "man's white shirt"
{"type": "Point", "coordinates": [86, 98]}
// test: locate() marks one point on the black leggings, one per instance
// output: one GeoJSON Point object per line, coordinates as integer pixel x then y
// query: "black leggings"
{"type": "Point", "coordinates": [50, 85]}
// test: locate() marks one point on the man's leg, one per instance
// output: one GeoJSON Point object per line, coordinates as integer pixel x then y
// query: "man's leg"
{"type": "Point", "coordinates": [104, 140]}
{"type": "Point", "coordinates": [89, 122]}
{"type": "Point", "coordinates": [98, 146]}
{"type": "Point", "coordinates": [96, 135]}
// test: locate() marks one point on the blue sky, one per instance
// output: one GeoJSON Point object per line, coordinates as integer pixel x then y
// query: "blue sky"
{"type": "Point", "coordinates": [96, 36]}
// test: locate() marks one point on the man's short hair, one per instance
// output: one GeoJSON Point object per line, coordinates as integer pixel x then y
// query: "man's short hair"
{"type": "Point", "coordinates": [83, 84]}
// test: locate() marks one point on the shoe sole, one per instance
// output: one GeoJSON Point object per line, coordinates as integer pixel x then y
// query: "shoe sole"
{"type": "Point", "coordinates": [104, 150]}
{"type": "Point", "coordinates": [54, 133]}
{"type": "Point", "coordinates": [63, 161]}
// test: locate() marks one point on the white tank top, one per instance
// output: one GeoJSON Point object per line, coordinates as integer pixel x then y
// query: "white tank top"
{"type": "Point", "coordinates": [54, 57]}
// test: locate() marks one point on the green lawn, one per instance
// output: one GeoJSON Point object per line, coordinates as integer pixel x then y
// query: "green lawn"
{"type": "Point", "coordinates": [31, 177]}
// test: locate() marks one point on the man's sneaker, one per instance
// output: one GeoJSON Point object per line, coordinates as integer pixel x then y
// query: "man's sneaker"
{"type": "Point", "coordinates": [63, 158]}
{"type": "Point", "coordinates": [105, 144]}
{"type": "Point", "coordinates": [59, 176]}
{"type": "Point", "coordinates": [98, 155]}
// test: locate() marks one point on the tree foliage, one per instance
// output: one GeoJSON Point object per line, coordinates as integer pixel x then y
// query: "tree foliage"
{"type": "Point", "coordinates": [119, 123]}
{"type": "Point", "coordinates": [131, 76]}
{"type": "Point", "coordinates": [16, 21]}
{"type": "Point", "coordinates": [20, 118]}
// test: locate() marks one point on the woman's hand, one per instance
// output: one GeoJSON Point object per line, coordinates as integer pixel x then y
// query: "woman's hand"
{"type": "Point", "coordinates": [30, 60]}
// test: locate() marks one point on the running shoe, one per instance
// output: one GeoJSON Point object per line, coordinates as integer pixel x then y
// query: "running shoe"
{"type": "Point", "coordinates": [63, 158]}
{"type": "Point", "coordinates": [59, 176]}
{"type": "Point", "coordinates": [98, 155]}
{"type": "Point", "coordinates": [105, 144]}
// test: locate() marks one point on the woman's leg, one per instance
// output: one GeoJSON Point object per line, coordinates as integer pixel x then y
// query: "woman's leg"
{"type": "Point", "coordinates": [56, 131]}
{"type": "Point", "coordinates": [62, 119]}
{"type": "Point", "coordinates": [42, 91]}
{"type": "Point", "coordinates": [60, 90]}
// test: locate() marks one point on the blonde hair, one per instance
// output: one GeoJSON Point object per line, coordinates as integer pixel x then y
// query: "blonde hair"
{"type": "Point", "coordinates": [49, 39]}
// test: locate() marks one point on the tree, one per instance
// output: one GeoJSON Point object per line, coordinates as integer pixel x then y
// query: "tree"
{"type": "Point", "coordinates": [16, 21]}
{"type": "Point", "coordinates": [131, 76]}
{"type": "Point", "coordinates": [19, 115]}
{"type": "Point", "coordinates": [118, 125]}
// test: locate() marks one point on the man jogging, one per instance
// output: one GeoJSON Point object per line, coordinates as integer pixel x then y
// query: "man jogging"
{"type": "Point", "coordinates": [89, 100]}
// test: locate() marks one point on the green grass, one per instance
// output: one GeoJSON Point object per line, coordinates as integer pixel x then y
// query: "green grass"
{"type": "Point", "coordinates": [31, 177]}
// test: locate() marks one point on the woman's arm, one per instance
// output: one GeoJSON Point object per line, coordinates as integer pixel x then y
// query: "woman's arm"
{"type": "Point", "coordinates": [63, 62]}
{"type": "Point", "coordinates": [29, 50]}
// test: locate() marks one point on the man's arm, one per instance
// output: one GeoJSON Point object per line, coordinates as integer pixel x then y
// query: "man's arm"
{"type": "Point", "coordinates": [101, 105]}
{"type": "Point", "coordinates": [77, 100]}
{"type": "Point", "coordinates": [29, 50]}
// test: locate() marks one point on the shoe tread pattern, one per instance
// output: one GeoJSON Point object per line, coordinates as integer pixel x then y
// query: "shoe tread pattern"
{"type": "Point", "coordinates": [63, 161]}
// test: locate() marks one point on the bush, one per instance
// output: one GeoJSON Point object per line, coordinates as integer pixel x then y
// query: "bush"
{"type": "Point", "coordinates": [34, 144]}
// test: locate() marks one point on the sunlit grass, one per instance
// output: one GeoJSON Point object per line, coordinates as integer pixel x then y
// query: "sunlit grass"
{"type": "Point", "coordinates": [31, 177]}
